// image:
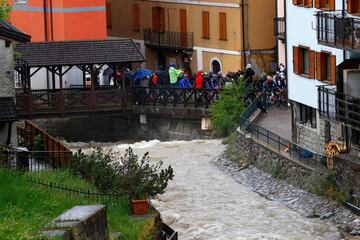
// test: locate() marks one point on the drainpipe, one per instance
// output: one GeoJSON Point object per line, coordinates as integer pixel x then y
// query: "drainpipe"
{"type": "Point", "coordinates": [247, 27]}
{"type": "Point", "coordinates": [51, 20]}
{"type": "Point", "coordinates": [243, 32]}
{"type": "Point", "coordinates": [45, 22]}
{"type": "Point", "coordinates": [275, 29]}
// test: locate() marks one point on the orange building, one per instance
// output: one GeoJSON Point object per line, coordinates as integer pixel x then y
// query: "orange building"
{"type": "Point", "coordinates": [60, 20]}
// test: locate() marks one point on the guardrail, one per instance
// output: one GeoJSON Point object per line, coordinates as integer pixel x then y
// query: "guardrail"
{"type": "Point", "coordinates": [188, 97]}
{"type": "Point", "coordinates": [282, 146]}
{"type": "Point", "coordinates": [251, 109]}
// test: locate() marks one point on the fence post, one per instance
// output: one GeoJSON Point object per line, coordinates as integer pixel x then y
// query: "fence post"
{"type": "Point", "coordinates": [279, 142]}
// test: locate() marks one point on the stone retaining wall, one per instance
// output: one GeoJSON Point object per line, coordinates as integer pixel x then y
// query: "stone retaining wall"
{"type": "Point", "coordinates": [274, 163]}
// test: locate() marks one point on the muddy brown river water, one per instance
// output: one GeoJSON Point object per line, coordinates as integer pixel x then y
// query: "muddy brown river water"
{"type": "Point", "coordinates": [204, 203]}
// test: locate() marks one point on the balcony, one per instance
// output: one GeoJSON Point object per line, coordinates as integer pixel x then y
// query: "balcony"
{"type": "Point", "coordinates": [339, 106]}
{"type": "Point", "coordinates": [280, 28]}
{"type": "Point", "coordinates": [169, 40]}
{"type": "Point", "coordinates": [338, 31]}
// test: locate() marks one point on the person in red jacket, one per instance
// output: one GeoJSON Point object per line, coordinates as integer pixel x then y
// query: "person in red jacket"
{"type": "Point", "coordinates": [154, 80]}
{"type": "Point", "coordinates": [199, 80]}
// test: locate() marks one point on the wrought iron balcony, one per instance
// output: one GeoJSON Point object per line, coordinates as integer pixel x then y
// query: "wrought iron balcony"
{"type": "Point", "coordinates": [336, 30]}
{"type": "Point", "coordinates": [169, 40]}
{"type": "Point", "coordinates": [339, 106]}
{"type": "Point", "coordinates": [280, 28]}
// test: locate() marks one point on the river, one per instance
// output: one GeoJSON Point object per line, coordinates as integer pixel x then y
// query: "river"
{"type": "Point", "coordinates": [204, 203]}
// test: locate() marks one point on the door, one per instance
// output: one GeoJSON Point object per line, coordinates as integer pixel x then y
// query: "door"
{"type": "Point", "coordinates": [183, 28]}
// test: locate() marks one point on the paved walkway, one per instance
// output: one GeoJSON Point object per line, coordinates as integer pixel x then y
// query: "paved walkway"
{"type": "Point", "coordinates": [278, 120]}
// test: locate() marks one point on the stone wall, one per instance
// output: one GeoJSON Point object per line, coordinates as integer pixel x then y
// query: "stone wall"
{"type": "Point", "coordinates": [80, 222]}
{"type": "Point", "coordinates": [274, 163]}
{"type": "Point", "coordinates": [117, 128]}
{"type": "Point", "coordinates": [346, 168]}
{"type": "Point", "coordinates": [315, 138]}
{"type": "Point", "coordinates": [7, 84]}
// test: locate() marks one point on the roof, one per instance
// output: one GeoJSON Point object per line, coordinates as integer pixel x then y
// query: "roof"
{"type": "Point", "coordinates": [7, 110]}
{"type": "Point", "coordinates": [9, 31]}
{"type": "Point", "coordinates": [41, 54]}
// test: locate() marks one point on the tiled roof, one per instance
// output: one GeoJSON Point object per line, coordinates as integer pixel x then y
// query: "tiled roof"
{"type": "Point", "coordinates": [40, 54]}
{"type": "Point", "coordinates": [9, 31]}
{"type": "Point", "coordinates": [7, 109]}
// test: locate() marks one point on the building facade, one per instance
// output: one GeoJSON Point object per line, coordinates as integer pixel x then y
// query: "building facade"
{"type": "Point", "coordinates": [9, 35]}
{"type": "Point", "coordinates": [222, 35]}
{"type": "Point", "coordinates": [60, 20]}
{"type": "Point", "coordinates": [323, 71]}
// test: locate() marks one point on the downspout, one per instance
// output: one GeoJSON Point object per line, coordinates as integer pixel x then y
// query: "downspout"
{"type": "Point", "coordinates": [247, 28]}
{"type": "Point", "coordinates": [275, 30]}
{"type": "Point", "coordinates": [51, 20]}
{"type": "Point", "coordinates": [243, 33]}
{"type": "Point", "coordinates": [46, 39]}
{"type": "Point", "coordinates": [8, 140]}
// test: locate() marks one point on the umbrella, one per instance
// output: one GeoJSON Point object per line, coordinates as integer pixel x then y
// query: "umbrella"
{"type": "Point", "coordinates": [140, 74]}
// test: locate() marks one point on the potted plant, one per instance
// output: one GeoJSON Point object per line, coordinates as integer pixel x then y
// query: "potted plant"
{"type": "Point", "coordinates": [142, 180]}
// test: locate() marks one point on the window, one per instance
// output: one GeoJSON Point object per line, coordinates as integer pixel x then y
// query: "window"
{"type": "Point", "coordinates": [304, 61]}
{"type": "Point", "coordinates": [307, 115]}
{"type": "Point", "coordinates": [206, 25]}
{"type": "Point", "coordinates": [7, 43]}
{"type": "Point", "coordinates": [20, 1]}
{"type": "Point", "coordinates": [303, 3]}
{"type": "Point", "coordinates": [222, 26]}
{"type": "Point", "coordinates": [326, 67]}
{"type": "Point", "coordinates": [354, 7]}
{"type": "Point", "coordinates": [158, 19]}
{"type": "Point", "coordinates": [136, 17]}
{"type": "Point", "coordinates": [325, 4]}
{"type": "Point", "coordinates": [108, 15]}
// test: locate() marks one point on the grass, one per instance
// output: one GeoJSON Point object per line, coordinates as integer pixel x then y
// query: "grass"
{"type": "Point", "coordinates": [27, 207]}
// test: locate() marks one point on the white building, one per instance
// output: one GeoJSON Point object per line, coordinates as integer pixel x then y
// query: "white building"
{"type": "Point", "coordinates": [319, 35]}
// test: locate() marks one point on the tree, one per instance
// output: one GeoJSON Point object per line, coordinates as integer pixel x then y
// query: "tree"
{"type": "Point", "coordinates": [226, 111]}
{"type": "Point", "coordinates": [5, 10]}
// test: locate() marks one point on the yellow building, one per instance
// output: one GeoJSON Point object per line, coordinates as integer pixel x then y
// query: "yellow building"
{"type": "Point", "coordinates": [209, 35]}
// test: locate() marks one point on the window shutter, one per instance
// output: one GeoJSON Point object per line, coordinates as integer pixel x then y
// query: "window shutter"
{"type": "Point", "coordinates": [332, 5]}
{"type": "Point", "coordinates": [296, 59]}
{"type": "Point", "coordinates": [311, 63]}
{"type": "Point", "coordinates": [162, 20]}
{"type": "Point", "coordinates": [318, 3]}
{"type": "Point", "coordinates": [206, 24]}
{"type": "Point", "coordinates": [333, 69]}
{"type": "Point", "coordinates": [310, 3]}
{"type": "Point", "coordinates": [136, 17]}
{"type": "Point", "coordinates": [155, 19]}
{"type": "Point", "coordinates": [349, 6]}
{"type": "Point", "coordinates": [108, 15]}
{"type": "Point", "coordinates": [318, 66]}
{"type": "Point", "coordinates": [295, 2]}
{"type": "Point", "coordinates": [222, 26]}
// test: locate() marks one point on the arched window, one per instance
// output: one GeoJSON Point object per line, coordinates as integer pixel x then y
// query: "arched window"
{"type": "Point", "coordinates": [215, 66]}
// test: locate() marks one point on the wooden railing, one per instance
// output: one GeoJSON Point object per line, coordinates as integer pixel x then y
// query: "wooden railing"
{"type": "Point", "coordinates": [50, 102]}
{"type": "Point", "coordinates": [169, 40]}
{"type": "Point", "coordinates": [338, 31]}
{"type": "Point", "coordinates": [182, 97]}
{"type": "Point", "coordinates": [54, 149]}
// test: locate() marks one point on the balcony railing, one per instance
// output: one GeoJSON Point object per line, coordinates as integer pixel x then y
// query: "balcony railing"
{"type": "Point", "coordinates": [169, 40]}
{"type": "Point", "coordinates": [280, 28]}
{"type": "Point", "coordinates": [338, 31]}
{"type": "Point", "coordinates": [339, 106]}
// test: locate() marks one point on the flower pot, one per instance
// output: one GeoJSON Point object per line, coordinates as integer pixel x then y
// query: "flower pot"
{"type": "Point", "coordinates": [139, 207]}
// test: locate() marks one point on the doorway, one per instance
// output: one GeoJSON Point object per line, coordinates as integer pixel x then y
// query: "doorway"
{"type": "Point", "coordinates": [215, 66]}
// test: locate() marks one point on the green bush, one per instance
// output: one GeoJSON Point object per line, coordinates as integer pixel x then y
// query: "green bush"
{"type": "Point", "coordinates": [226, 111]}
{"type": "Point", "coordinates": [5, 10]}
{"type": "Point", "coordinates": [38, 145]}
{"type": "Point", "coordinates": [135, 177]}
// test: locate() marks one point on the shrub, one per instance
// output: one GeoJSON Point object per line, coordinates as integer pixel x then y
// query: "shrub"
{"type": "Point", "coordinates": [276, 169]}
{"type": "Point", "coordinates": [131, 176]}
{"type": "Point", "coordinates": [38, 145]}
{"type": "Point", "coordinates": [226, 111]}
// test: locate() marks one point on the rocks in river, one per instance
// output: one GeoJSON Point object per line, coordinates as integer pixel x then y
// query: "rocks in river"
{"type": "Point", "coordinates": [307, 204]}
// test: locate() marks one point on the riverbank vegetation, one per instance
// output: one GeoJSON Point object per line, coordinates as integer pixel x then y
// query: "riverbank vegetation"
{"type": "Point", "coordinates": [26, 207]}
{"type": "Point", "coordinates": [226, 111]}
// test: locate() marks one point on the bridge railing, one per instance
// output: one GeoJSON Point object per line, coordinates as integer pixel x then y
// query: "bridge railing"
{"type": "Point", "coordinates": [56, 102]}
{"type": "Point", "coordinates": [186, 97]}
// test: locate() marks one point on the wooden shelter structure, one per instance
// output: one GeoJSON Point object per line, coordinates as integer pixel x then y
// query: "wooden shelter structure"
{"type": "Point", "coordinates": [59, 58]}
